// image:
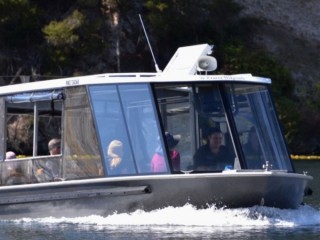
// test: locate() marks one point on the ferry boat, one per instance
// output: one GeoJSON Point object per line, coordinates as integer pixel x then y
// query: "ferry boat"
{"type": "Point", "coordinates": [107, 129]}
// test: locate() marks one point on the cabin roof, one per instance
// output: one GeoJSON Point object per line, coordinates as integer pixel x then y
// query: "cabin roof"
{"type": "Point", "coordinates": [127, 78]}
{"type": "Point", "coordinates": [182, 67]}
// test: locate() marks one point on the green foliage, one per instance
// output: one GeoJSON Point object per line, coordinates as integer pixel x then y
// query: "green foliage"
{"type": "Point", "coordinates": [76, 42]}
{"type": "Point", "coordinates": [239, 59]}
{"type": "Point", "coordinates": [64, 32]}
{"type": "Point", "coordinates": [18, 23]}
{"type": "Point", "coordinates": [290, 117]}
{"type": "Point", "coordinates": [312, 98]}
{"type": "Point", "coordinates": [88, 3]}
{"type": "Point", "coordinates": [184, 22]}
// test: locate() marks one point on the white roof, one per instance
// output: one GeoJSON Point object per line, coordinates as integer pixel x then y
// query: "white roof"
{"type": "Point", "coordinates": [127, 78]}
{"type": "Point", "coordinates": [181, 68]}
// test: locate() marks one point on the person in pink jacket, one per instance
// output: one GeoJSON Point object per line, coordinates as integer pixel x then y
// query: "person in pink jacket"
{"type": "Point", "coordinates": [158, 163]}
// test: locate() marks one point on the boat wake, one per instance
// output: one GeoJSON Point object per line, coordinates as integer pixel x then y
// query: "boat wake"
{"type": "Point", "coordinates": [188, 216]}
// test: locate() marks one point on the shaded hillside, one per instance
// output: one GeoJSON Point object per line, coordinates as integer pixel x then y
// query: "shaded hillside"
{"type": "Point", "coordinates": [290, 32]}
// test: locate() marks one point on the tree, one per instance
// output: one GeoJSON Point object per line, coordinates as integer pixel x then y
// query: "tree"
{"type": "Point", "coordinates": [18, 29]}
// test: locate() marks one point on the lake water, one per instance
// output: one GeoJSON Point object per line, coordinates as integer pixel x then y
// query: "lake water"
{"type": "Point", "coordinates": [184, 222]}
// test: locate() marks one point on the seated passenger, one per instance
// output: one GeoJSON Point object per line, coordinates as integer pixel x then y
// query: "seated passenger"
{"type": "Point", "coordinates": [213, 156]}
{"type": "Point", "coordinates": [158, 162]}
{"type": "Point", "coordinates": [172, 142]}
{"type": "Point", "coordinates": [115, 154]}
{"type": "Point", "coordinates": [48, 170]}
{"type": "Point", "coordinates": [10, 155]}
{"type": "Point", "coordinates": [12, 166]}
{"type": "Point", "coordinates": [54, 146]}
{"type": "Point", "coordinates": [14, 170]}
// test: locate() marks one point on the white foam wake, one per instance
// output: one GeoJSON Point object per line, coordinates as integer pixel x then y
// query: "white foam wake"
{"type": "Point", "coordinates": [190, 216]}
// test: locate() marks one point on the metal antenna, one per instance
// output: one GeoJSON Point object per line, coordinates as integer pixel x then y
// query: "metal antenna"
{"type": "Point", "coordinates": [145, 33]}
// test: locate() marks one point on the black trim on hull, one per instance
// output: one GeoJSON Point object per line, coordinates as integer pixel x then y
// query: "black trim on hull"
{"type": "Point", "coordinates": [67, 195]}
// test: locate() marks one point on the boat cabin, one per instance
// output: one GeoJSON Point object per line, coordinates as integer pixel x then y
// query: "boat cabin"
{"type": "Point", "coordinates": [112, 125]}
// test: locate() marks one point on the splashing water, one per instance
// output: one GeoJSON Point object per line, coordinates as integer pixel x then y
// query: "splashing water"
{"type": "Point", "coordinates": [190, 216]}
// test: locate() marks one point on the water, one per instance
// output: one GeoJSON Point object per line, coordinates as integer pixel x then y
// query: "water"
{"type": "Point", "coordinates": [183, 222]}
{"type": "Point", "coordinates": [312, 167]}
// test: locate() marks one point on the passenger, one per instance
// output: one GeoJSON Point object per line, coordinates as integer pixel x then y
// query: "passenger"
{"type": "Point", "coordinates": [49, 171]}
{"type": "Point", "coordinates": [252, 150]}
{"type": "Point", "coordinates": [158, 162]}
{"type": "Point", "coordinates": [10, 155]}
{"type": "Point", "coordinates": [14, 170]}
{"type": "Point", "coordinates": [115, 154]}
{"type": "Point", "coordinates": [172, 142]}
{"type": "Point", "coordinates": [54, 146]}
{"type": "Point", "coordinates": [12, 166]}
{"type": "Point", "coordinates": [213, 156]}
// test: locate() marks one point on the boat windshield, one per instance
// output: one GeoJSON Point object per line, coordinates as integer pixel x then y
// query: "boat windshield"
{"type": "Point", "coordinates": [197, 114]}
{"type": "Point", "coordinates": [199, 127]}
{"type": "Point", "coordinates": [242, 114]}
{"type": "Point", "coordinates": [257, 125]}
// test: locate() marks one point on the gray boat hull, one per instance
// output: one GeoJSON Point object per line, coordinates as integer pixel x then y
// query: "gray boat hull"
{"type": "Point", "coordinates": [105, 196]}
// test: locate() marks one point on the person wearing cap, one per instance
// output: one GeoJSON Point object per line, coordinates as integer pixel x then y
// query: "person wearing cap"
{"type": "Point", "coordinates": [54, 146]}
{"type": "Point", "coordinates": [158, 162]}
{"type": "Point", "coordinates": [212, 156]}
{"type": "Point", "coordinates": [172, 141]}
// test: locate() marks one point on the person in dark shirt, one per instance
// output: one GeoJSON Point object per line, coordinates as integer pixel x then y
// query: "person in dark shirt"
{"type": "Point", "coordinates": [213, 156]}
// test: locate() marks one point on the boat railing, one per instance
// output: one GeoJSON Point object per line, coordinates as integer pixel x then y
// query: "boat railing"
{"type": "Point", "coordinates": [254, 171]}
{"type": "Point", "coordinates": [31, 170]}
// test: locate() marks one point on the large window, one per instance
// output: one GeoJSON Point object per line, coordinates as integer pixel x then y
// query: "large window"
{"type": "Point", "coordinates": [193, 111]}
{"type": "Point", "coordinates": [31, 120]}
{"type": "Point", "coordinates": [81, 153]}
{"type": "Point", "coordinates": [127, 126]}
{"type": "Point", "coordinates": [112, 129]}
{"type": "Point", "coordinates": [257, 125]}
{"type": "Point", "coordinates": [177, 117]}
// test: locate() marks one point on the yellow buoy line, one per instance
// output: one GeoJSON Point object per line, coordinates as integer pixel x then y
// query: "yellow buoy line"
{"type": "Point", "coordinates": [305, 157]}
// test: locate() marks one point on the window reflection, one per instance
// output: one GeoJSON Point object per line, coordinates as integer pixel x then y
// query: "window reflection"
{"type": "Point", "coordinates": [31, 120]}
{"type": "Point", "coordinates": [81, 153]}
{"type": "Point", "coordinates": [112, 130]}
{"type": "Point", "coordinates": [142, 125]}
{"type": "Point", "coordinates": [127, 126]}
{"type": "Point", "coordinates": [15, 171]}
{"type": "Point", "coordinates": [192, 111]}
{"type": "Point", "coordinates": [257, 123]}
